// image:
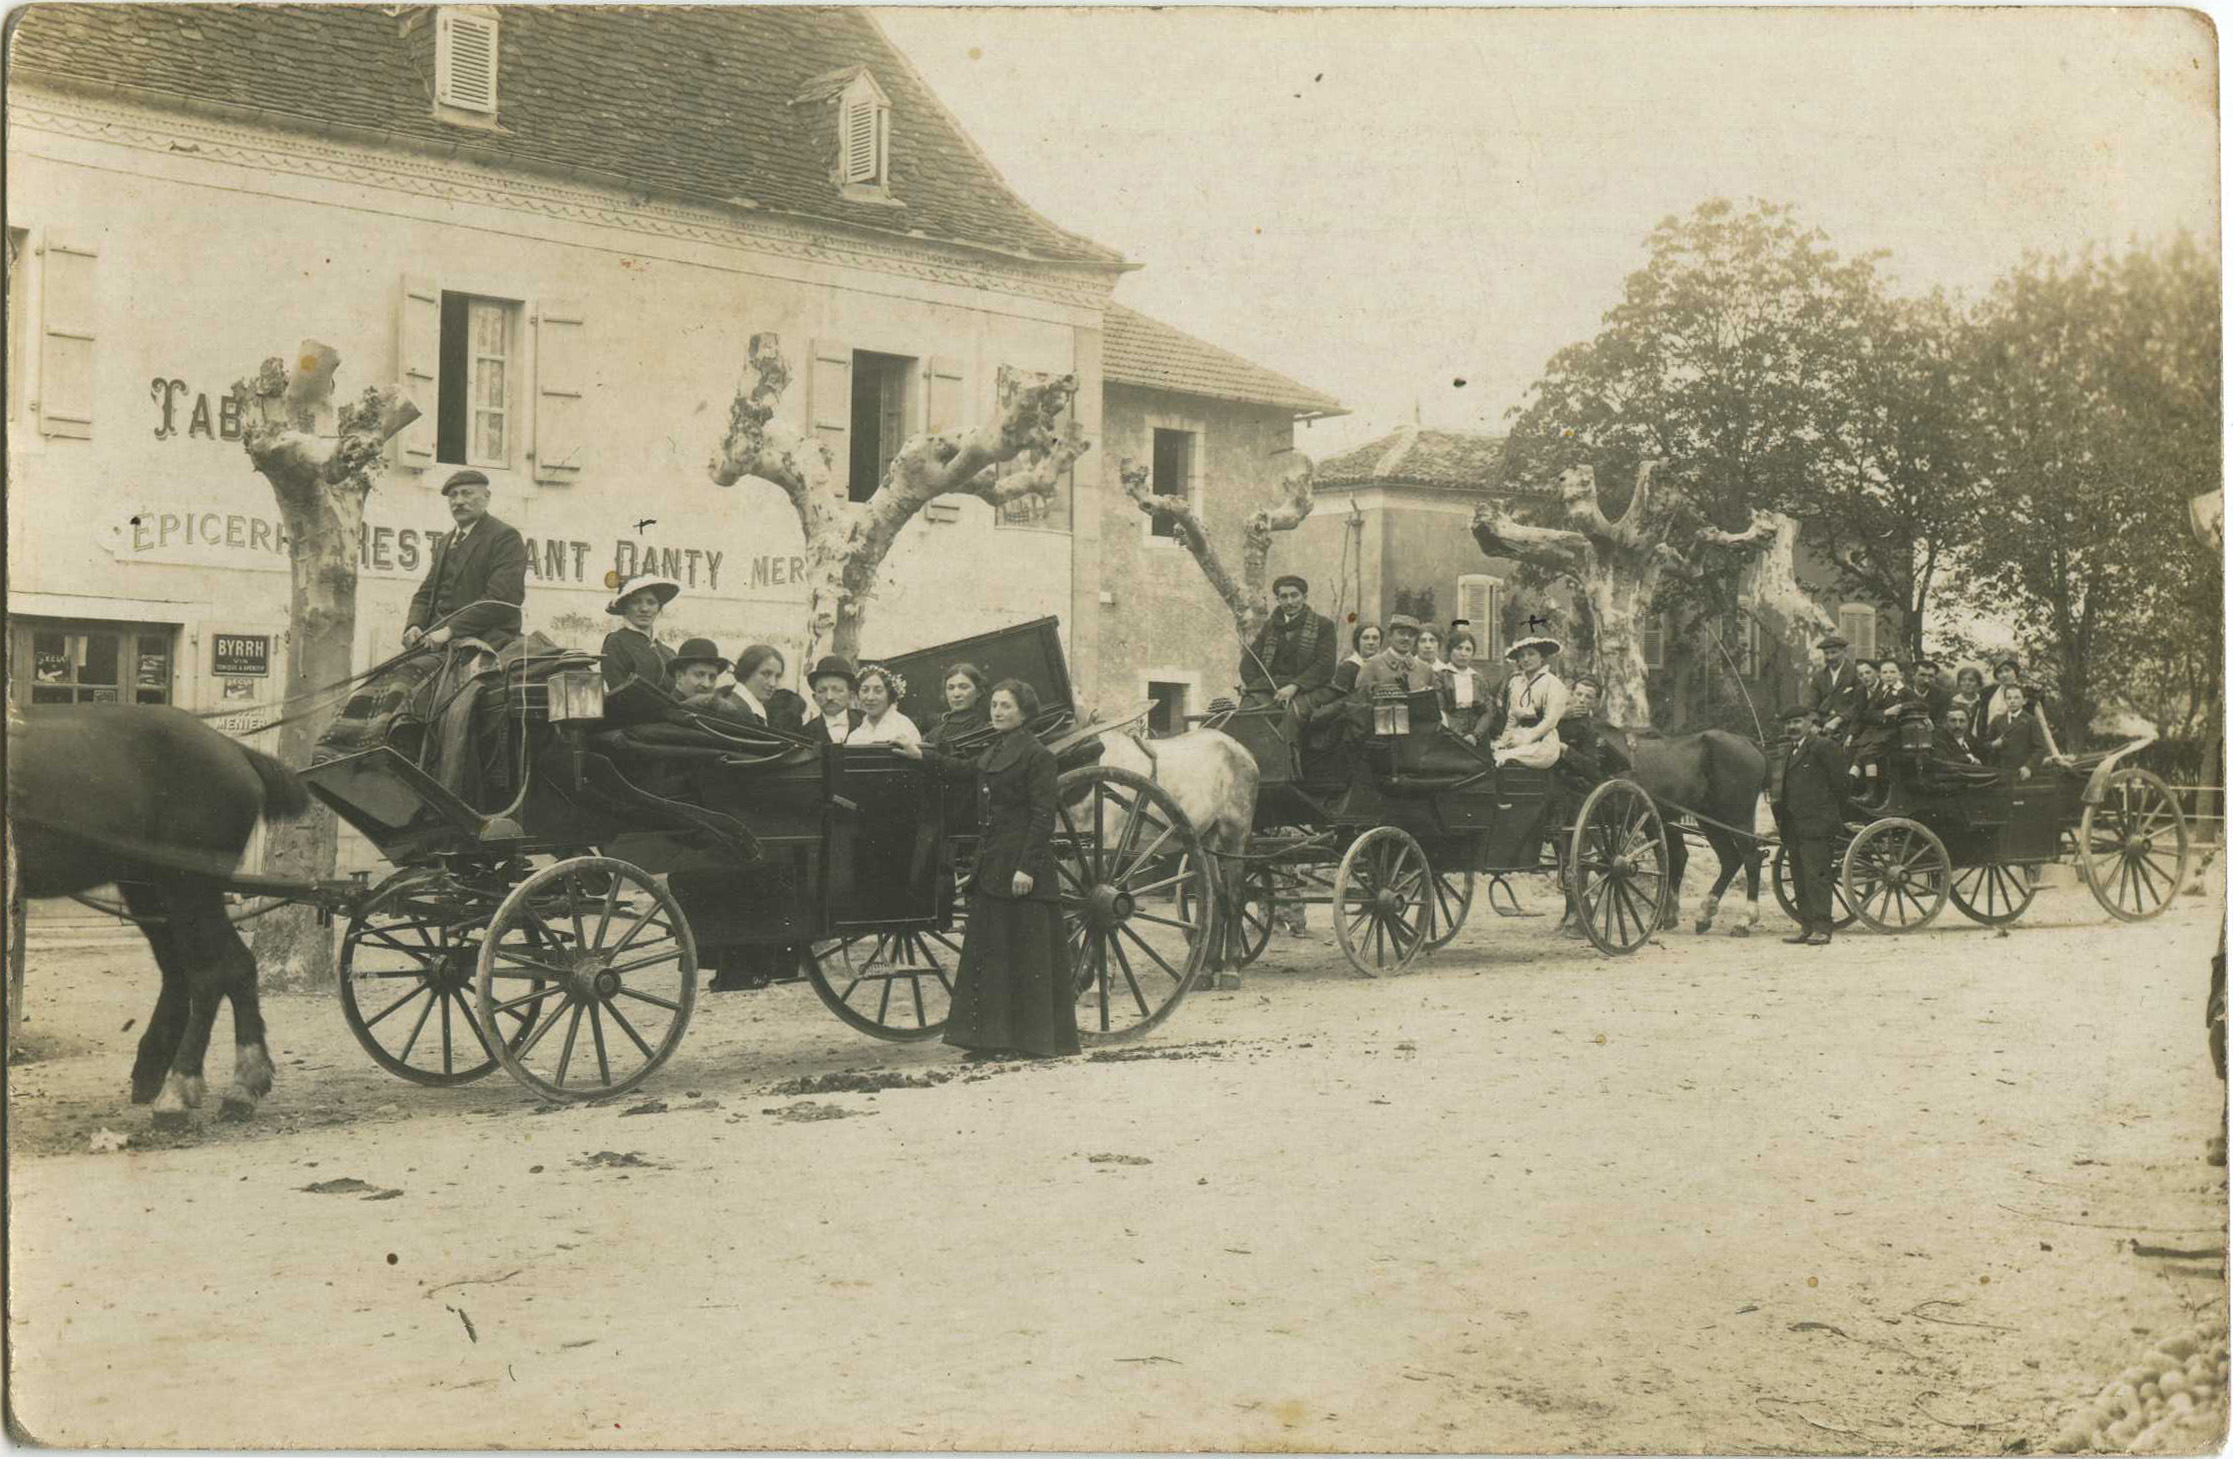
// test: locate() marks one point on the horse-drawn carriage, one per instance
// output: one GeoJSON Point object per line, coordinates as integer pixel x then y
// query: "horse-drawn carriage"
{"type": "Point", "coordinates": [1976, 837]}
{"type": "Point", "coordinates": [1395, 830]}
{"type": "Point", "coordinates": [559, 934]}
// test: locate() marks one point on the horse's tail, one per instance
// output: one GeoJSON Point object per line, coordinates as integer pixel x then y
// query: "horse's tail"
{"type": "Point", "coordinates": [284, 795]}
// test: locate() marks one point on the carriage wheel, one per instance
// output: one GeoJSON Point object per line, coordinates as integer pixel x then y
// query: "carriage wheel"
{"type": "Point", "coordinates": [1452, 899]}
{"type": "Point", "coordinates": [1620, 861]}
{"type": "Point", "coordinates": [1256, 911]}
{"type": "Point", "coordinates": [1382, 910]}
{"type": "Point", "coordinates": [1135, 890]}
{"type": "Point", "coordinates": [2133, 846]}
{"type": "Point", "coordinates": [890, 985]}
{"type": "Point", "coordinates": [1995, 894]}
{"type": "Point", "coordinates": [597, 953]}
{"type": "Point", "coordinates": [1896, 875]}
{"type": "Point", "coordinates": [406, 973]}
{"type": "Point", "coordinates": [1787, 893]}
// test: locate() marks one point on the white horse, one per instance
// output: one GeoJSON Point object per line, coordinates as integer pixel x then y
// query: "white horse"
{"type": "Point", "coordinates": [1214, 781]}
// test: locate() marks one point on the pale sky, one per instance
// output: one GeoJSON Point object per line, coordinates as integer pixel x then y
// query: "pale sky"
{"type": "Point", "coordinates": [1379, 202]}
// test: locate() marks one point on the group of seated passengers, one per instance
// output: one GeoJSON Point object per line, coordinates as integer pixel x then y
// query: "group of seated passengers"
{"type": "Point", "coordinates": [1860, 702]}
{"type": "Point", "coordinates": [849, 707]}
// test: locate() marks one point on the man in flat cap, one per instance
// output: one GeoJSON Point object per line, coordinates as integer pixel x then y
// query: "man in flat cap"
{"type": "Point", "coordinates": [1806, 779]}
{"type": "Point", "coordinates": [1396, 665]}
{"type": "Point", "coordinates": [1834, 690]}
{"type": "Point", "coordinates": [478, 579]}
{"type": "Point", "coordinates": [1291, 663]}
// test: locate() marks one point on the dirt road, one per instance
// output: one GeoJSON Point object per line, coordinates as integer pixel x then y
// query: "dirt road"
{"type": "Point", "coordinates": [1724, 1195]}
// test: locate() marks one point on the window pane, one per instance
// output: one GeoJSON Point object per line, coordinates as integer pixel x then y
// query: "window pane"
{"type": "Point", "coordinates": [489, 383]}
{"type": "Point", "coordinates": [49, 694]}
{"type": "Point", "coordinates": [50, 660]}
{"type": "Point", "coordinates": [488, 436]}
{"type": "Point", "coordinates": [155, 663]}
{"type": "Point", "coordinates": [488, 328]}
{"type": "Point", "coordinates": [100, 660]}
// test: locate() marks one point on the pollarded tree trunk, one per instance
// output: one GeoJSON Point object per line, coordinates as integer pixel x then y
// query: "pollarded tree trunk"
{"type": "Point", "coordinates": [1247, 597]}
{"type": "Point", "coordinates": [320, 483]}
{"type": "Point", "coordinates": [1617, 566]}
{"type": "Point", "coordinates": [1023, 451]}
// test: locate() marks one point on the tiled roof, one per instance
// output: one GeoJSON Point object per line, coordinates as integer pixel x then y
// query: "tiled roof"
{"type": "Point", "coordinates": [1414, 456]}
{"type": "Point", "coordinates": [700, 101]}
{"type": "Point", "coordinates": [1137, 350]}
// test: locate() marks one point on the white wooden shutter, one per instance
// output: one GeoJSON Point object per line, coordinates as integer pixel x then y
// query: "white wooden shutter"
{"type": "Point", "coordinates": [465, 60]}
{"type": "Point", "coordinates": [70, 308]}
{"type": "Point", "coordinates": [1857, 626]}
{"type": "Point", "coordinates": [1478, 604]}
{"type": "Point", "coordinates": [418, 356]}
{"type": "Point", "coordinates": [860, 140]}
{"type": "Point", "coordinates": [561, 362]}
{"type": "Point", "coordinates": [946, 404]}
{"type": "Point", "coordinates": [829, 401]}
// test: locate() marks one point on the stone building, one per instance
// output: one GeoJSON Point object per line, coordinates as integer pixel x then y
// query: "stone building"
{"type": "Point", "coordinates": [1394, 519]}
{"type": "Point", "coordinates": [1220, 430]}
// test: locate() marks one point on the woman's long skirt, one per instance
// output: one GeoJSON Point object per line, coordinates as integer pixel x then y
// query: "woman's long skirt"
{"type": "Point", "coordinates": [1015, 991]}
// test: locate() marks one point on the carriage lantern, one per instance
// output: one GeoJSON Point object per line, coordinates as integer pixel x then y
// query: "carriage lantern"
{"type": "Point", "coordinates": [1391, 711]}
{"type": "Point", "coordinates": [1915, 728]}
{"type": "Point", "coordinates": [576, 694]}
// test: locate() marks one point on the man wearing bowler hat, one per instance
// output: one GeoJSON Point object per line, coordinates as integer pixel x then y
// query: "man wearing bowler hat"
{"type": "Point", "coordinates": [478, 578]}
{"type": "Point", "coordinates": [1291, 663]}
{"type": "Point", "coordinates": [1834, 690]}
{"type": "Point", "coordinates": [1805, 784]}
{"type": "Point", "coordinates": [692, 673]}
{"type": "Point", "coordinates": [832, 684]}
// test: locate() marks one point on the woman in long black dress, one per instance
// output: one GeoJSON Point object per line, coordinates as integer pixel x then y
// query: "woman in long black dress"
{"type": "Point", "coordinates": [1015, 992]}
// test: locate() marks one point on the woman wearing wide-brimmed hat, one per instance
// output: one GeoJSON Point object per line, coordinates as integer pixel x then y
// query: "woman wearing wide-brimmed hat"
{"type": "Point", "coordinates": [1535, 702]}
{"type": "Point", "coordinates": [631, 653]}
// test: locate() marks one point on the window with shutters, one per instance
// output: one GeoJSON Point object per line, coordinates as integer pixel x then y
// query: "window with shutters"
{"type": "Point", "coordinates": [864, 135]}
{"type": "Point", "coordinates": [1741, 633]}
{"type": "Point", "coordinates": [1655, 641]}
{"type": "Point", "coordinates": [478, 405]}
{"type": "Point", "coordinates": [1481, 603]}
{"type": "Point", "coordinates": [465, 59]}
{"type": "Point", "coordinates": [1857, 626]}
{"type": "Point", "coordinates": [1175, 453]}
{"type": "Point", "coordinates": [19, 277]}
{"type": "Point", "coordinates": [882, 387]}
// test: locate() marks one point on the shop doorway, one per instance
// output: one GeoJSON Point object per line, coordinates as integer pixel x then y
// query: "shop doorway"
{"type": "Point", "coordinates": [56, 661]}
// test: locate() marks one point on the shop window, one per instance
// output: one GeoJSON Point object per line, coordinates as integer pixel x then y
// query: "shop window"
{"type": "Point", "coordinates": [85, 664]}
{"type": "Point", "coordinates": [1174, 474]}
{"type": "Point", "coordinates": [1169, 714]}
{"type": "Point", "coordinates": [477, 411]}
{"type": "Point", "coordinates": [879, 425]}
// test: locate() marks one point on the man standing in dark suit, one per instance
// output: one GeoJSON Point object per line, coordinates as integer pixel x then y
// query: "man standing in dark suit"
{"type": "Point", "coordinates": [1804, 786]}
{"type": "Point", "coordinates": [1834, 690]}
{"type": "Point", "coordinates": [479, 574]}
{"type": "Point", "coordinates": [2015, 750]}
{"type": "Point", "coordinates": [1292, 660]}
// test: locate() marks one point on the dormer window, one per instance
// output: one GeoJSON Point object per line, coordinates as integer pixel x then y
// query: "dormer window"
{"type": "Point", "coordinates": [864, 134]}
{"type": "Point", "coordinates": [465, 58]}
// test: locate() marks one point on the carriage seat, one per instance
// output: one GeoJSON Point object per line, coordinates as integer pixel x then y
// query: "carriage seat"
{"type": "Point", "coordinates": [1953, 775]}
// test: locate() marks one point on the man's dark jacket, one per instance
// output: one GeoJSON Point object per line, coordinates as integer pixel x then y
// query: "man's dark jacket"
{"type": "Point", "coordinates": [2018, 747]}
{"type": "Point", "coordinates": [492, 564]}
{"type": "Point", "coordinates": [1836, 695]}
{"type": "Point", "coordinates": [1805, 785]}
{"type": "Point", "coordinates": [1300, 653]}
{"type": "Point", "coordinates": [817, 729]}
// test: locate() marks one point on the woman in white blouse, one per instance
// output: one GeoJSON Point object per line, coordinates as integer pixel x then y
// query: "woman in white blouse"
{"type": "Point", "coordinates": [878, 695]}
{"type": "Point", "coordinates": [1537, 702]}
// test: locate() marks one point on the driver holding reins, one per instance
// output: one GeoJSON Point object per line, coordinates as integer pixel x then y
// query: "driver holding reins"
{"type": "Point", "coordinates": [478, 579]}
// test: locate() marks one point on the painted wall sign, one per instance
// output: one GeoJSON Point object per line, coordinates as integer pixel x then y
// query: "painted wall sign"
{"type": "Point", "coordinates": [166, 394]}
{"type": "Point", "coordinates": [240, 655]}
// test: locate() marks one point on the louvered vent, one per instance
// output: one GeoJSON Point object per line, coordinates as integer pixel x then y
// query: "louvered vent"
{"type": "Point", "coordinates": [465, 61]}
{"type": "Point", "coordinates": [862, 119]}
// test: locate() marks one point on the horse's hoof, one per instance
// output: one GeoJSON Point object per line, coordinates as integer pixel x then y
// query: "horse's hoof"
{"type": "Point", "coordinates": [1740, 930]}
{"type": "Point", "coordinates": [1702, 926]}
{"type": "Point", "coordinates": [173, 1119]}
{"type": "Point", "coordinates": [236, 1110]}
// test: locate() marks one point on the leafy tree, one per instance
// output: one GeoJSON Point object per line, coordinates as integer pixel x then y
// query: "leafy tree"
{"type": "Point", "coordinates": [2095, 419]}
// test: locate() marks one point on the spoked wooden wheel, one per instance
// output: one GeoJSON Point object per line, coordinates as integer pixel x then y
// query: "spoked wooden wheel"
{"type": "Point", "coordinates": [1787, 893]}
{"type": "Point", "coordinates": [1450, 898]}
{"type": "Point", "coordinates": [2133, 846]}
{"type": "Point", "coordinates": [1135, 889]}
{"type": "Point", "coordinates": [1896, 875]}
{"type": "Point", "coordinates": [1383, 910]}
{"type": "Point", "coordinates": [1620, 861]}
{"type": "Point", "coordinates": [598, 956]}
{"type": "Point", "coordinates": [406, 977]}
{"type": "Point", "coordinates": [1256, 911]}
{"type": "Point", "coordinates": [890, 985]}
{"type": "Point", "coordinates": [1995, 894]}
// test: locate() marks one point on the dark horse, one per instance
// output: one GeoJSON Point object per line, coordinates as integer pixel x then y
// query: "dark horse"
{"type": "Point", "coordinates": [162, 805]}
{"type": "Point", "coordinates": [1717, 774]}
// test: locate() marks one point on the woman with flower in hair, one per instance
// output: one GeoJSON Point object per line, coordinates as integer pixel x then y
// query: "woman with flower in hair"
{"type": "Point", "coordinates": [878, 694]}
